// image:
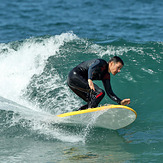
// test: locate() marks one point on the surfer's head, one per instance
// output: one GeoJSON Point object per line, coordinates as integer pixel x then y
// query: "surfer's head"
{"type": "Point", "coordinates": [115, 64]}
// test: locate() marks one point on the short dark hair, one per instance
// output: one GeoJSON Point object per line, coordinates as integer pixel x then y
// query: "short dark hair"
{"type": "Point", "coordinates": [116, 59]}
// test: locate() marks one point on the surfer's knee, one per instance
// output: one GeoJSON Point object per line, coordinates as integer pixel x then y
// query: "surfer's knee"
{"type": "Point", "coordinates": [95, 99]}
{"type": "Point", "coordinates": [100, 95]}
{"type": "Point", "coordinates": [103, 93]}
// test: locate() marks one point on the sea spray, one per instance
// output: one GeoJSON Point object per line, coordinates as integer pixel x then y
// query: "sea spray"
{"type": "Point", "coordinates": [90, 123]}
{"type": "Point", "coordinates": [19, 61]}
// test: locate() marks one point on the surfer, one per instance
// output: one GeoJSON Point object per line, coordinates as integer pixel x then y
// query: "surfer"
{"type": "Point", "coordinates": [80, 80]}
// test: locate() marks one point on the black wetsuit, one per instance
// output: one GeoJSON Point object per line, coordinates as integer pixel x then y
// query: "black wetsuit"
{"type": "Point", "coordinates": [96, 69]}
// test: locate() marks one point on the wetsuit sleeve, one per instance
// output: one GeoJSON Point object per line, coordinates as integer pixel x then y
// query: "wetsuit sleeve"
{"type": "Point", "coordinates": [92, 69]}
{"type": "Point", "coordinates": [109, 91]}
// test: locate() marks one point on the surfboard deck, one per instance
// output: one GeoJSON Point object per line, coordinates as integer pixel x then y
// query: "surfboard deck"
{"type": "Point", "coordinates": [110, 116]}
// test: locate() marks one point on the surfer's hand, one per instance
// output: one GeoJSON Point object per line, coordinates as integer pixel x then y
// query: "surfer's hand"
{"type": "Point", "coordinates": [125, 102]}
{"type": "Point", "coordinates": [91, 85]}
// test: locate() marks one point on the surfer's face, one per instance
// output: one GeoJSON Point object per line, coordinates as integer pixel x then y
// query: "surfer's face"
{"type": "Point", "coordinates": [114, 68]}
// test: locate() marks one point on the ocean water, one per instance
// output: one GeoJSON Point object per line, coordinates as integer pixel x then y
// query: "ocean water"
{"type": "Point", "coordinates": [41, 41]}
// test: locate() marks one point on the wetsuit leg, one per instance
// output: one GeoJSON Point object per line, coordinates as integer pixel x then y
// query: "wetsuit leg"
{"type": "Point", "coordinates": [95, 97]}
{"type": "Point", "coordinates": [79, 86]}
{"type": "Point", "coordinates": [81, 94]}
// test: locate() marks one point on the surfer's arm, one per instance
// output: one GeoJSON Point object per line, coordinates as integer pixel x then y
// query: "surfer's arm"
{"type": "Point", "coordinates": [92, 69]}
{"type": "Point", "coordinates": [110, 92]}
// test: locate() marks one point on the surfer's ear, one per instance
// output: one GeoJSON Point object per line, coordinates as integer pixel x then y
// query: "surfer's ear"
{"type": "Point", "coordinates": [112, 64]}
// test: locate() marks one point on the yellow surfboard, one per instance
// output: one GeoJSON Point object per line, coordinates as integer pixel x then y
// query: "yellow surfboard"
{"type": "Point", "coordinates": [110, 116]}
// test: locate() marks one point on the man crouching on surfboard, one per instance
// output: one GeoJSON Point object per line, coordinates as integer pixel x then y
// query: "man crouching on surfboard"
{"type": "Point", "coordinates": [80, 80]}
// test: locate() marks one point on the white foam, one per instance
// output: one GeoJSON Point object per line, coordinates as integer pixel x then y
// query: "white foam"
{"type": "Point", "coordinates": [19, 61]}
{"type": "Point", "coordinates": [39, 122]}
{"type": "Point", "coordinates": [19, 64]}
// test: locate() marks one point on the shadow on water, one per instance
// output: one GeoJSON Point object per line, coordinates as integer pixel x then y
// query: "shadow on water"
{"type": "Point", "coordinates": [100, 145]}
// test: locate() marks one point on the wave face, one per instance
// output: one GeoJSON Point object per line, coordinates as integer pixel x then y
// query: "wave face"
{"type": "Point", "coordinates": [34, 89]}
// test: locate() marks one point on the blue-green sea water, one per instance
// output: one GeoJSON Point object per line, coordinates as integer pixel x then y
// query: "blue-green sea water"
{"type": "Point", "coordinates": [41, 41]}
